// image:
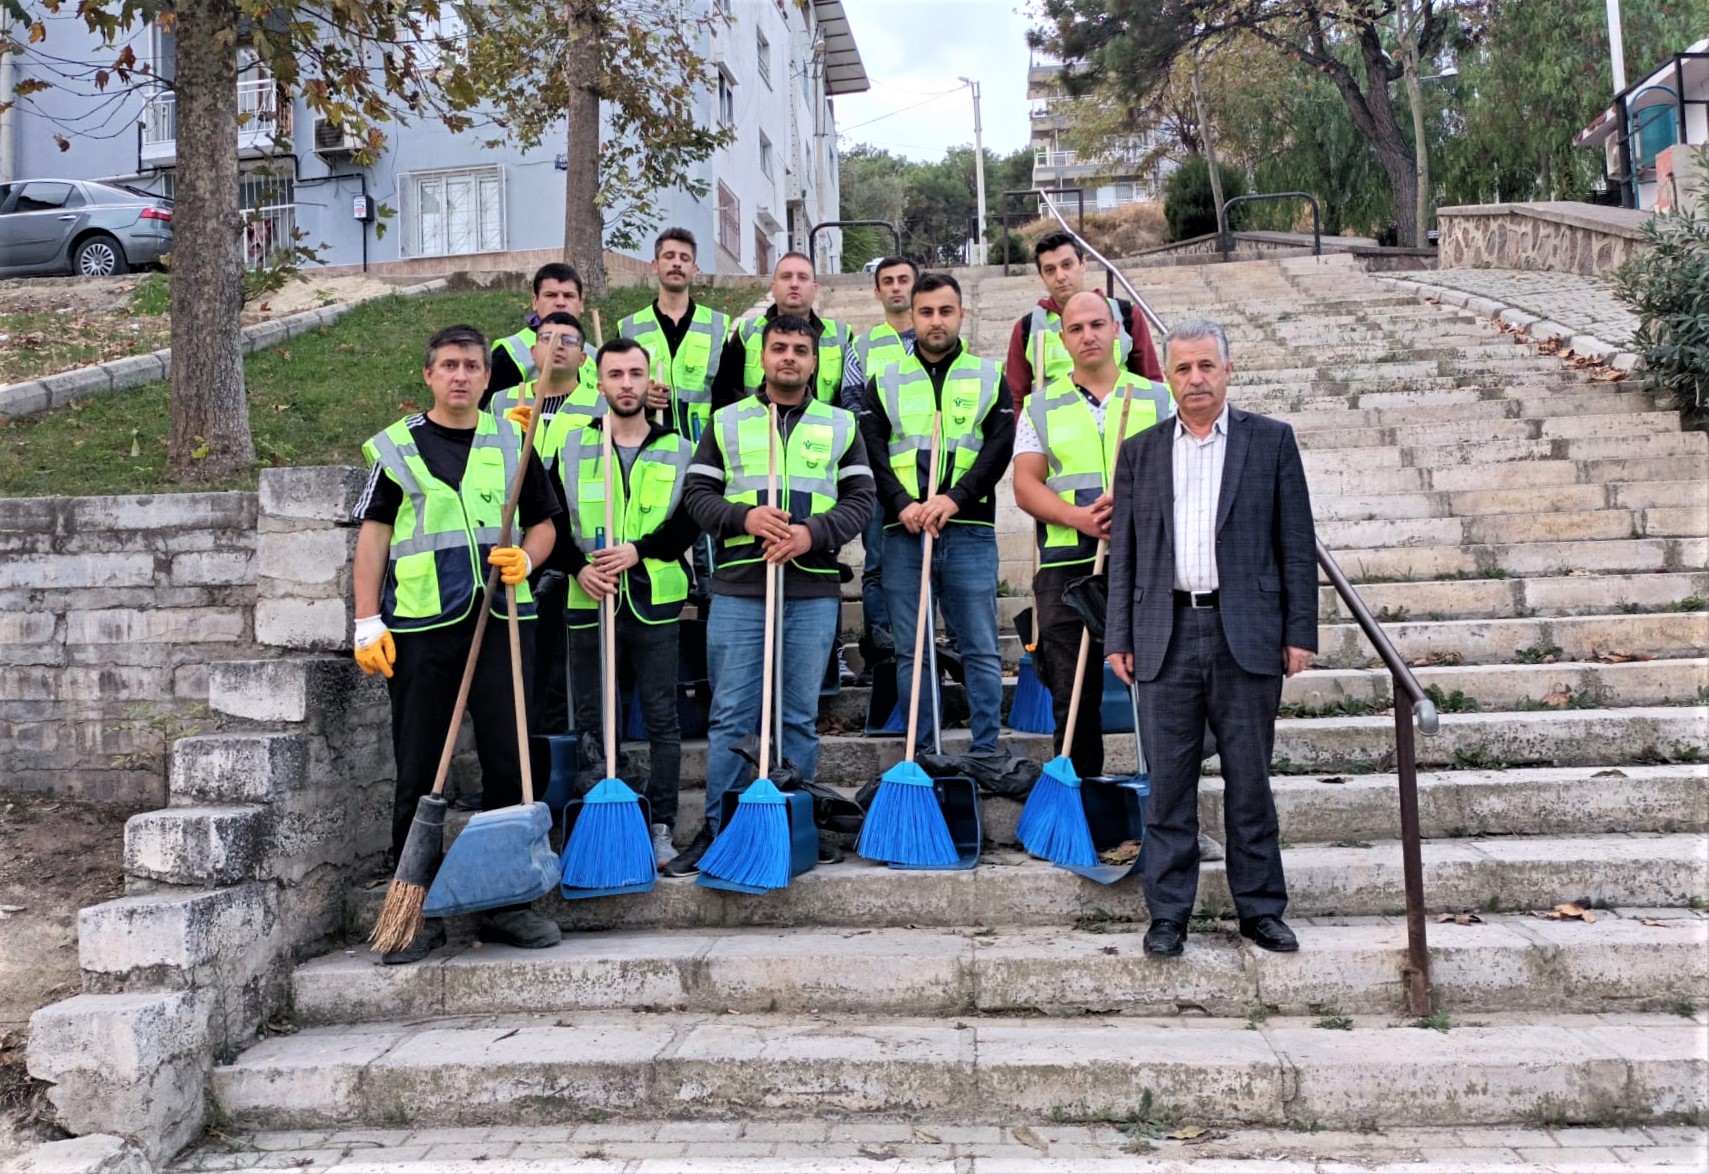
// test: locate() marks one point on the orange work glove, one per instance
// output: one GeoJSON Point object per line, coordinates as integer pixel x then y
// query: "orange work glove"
{"type": "Point", "coordinates": [512, 562]}
{"type": "Point", "coordinates": [375, 651]}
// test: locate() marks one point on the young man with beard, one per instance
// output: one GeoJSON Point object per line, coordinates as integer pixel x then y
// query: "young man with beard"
{"type": "Point", "coordinates": [684, 340]}
{"type": "Point", "coordinates": [825, 496]}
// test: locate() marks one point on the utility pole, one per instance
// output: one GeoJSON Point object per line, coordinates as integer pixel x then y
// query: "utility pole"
{"type": "Point", "coordinates": [978, 256]}
{"type": "Point", "coordinates": [1616, 46]}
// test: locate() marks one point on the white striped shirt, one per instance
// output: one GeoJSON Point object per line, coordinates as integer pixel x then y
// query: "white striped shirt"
{"type": "Point", "coordinates": [1198, 482]}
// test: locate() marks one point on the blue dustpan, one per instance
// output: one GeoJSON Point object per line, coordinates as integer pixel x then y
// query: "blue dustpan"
{"type": "Point", "coordinates": [554, 759]}
{"type": "Point", "coordinates": [503, 857]}
{"type": "Point", "coordinates": [803, 840]}
{"type": "Point", "coordinates": [1115, 807]}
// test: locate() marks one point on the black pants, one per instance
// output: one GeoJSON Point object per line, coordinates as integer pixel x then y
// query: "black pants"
{"type": "Point", "coordinates": [1057, 630]}
{"type": "Point", "coordinates": [549, 698]}
{"type": "Point", "coordinates": [1201, 681]}
{"type": "Point", "coordinates": [650, 652]}
{"type": "Point", "coordinates": [423, 688]}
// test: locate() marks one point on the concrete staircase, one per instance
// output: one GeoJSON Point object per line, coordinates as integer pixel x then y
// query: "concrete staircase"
{"type": "Point", "coordinates": [1535, 541]}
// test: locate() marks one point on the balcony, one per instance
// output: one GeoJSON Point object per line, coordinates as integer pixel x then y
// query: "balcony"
{"type": "Point", "coordinates": [259, 132]}
{"type": "Point", "coordinates": [1065, 165]}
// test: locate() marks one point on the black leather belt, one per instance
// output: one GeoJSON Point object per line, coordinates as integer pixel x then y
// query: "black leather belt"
{"type": "Point", "coordinates": [1197, 600]}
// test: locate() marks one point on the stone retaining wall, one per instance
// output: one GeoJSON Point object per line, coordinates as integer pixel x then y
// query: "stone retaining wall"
{"type": "Point", "coordinates": [111, 610]}
{"type": "Point", "coordinates": [1557, 237]}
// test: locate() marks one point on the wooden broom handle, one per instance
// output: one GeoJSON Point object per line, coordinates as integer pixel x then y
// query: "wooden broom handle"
{"type": "Point", "coordinates": [772, 573]}
{"type": "Point", "coordinates": [608, 613]}
{"type": "Point", "coordinates": [925, 605]}
{"type": "Point", "coordinates": [1097, 569]}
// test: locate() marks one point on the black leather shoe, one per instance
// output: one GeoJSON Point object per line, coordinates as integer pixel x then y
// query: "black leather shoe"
{"type": "Point", "coordinates": [687, 862]}
{"type": "Point", "coordinates": [1269, 933]}
{"type": "Point", "coordinates": [829, 853]}
{"type": "Point", "coordinates": [1165, 939]}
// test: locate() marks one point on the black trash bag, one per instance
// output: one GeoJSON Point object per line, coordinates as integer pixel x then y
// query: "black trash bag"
{"type": "Point", "coordinates": [1024, 626]}
{"type": "Point", "coordinates": [831, 811]}
{"type": "Point", "coordinates": [1001, 774]}
{"type": "Point", "coordinates": [1089, 596]}
{"type": "Point", "coordinates": [949, 661]}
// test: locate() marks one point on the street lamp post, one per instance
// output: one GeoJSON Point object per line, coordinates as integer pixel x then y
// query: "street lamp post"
{"type": "Point", "coordinates": [978, 255]}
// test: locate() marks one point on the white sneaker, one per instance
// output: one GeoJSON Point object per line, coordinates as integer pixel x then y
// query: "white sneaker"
{"type": "Point", "coordinates": [663, 850]}
{"type": "Point", "coordinates": [845, 675]}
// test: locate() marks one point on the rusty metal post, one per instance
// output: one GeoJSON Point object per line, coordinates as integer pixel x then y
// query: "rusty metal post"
{"type": "Point", "coordinates": [1419, 997]}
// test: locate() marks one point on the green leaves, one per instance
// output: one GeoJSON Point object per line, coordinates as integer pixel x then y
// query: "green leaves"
{"type": "Point", "coordinates": [1667, 286]}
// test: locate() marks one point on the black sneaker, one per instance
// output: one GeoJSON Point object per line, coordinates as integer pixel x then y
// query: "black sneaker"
{"type": "Point", "coordinates": [829, 853]}
{"type": "Point", "coordinates": [687, 862]}
{"type": "Point", "coordinates": [523, 928]}
{"type": "Point", "coordinates": [431, 937]}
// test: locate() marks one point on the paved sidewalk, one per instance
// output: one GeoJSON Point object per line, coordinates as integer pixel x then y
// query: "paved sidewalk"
{"type": "Point", "coordinates": [881, 1147]}
{"type": "Point", "coordinates": [1585, 305]}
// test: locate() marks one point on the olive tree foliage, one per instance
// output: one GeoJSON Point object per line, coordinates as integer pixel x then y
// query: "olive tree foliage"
{"type": "Point", "coordinates": [632, 77]}
{"type": "Point", "coordinates": [360, 64]}
{"type": "Point", "coordinates": [1351, 43]}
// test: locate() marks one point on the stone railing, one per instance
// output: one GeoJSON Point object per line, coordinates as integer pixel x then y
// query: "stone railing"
{"type": "Point", "coordinates": [1559, 237]}
{"type": "Point", "coordinates": [111, 609]}
{"type": "Point", "coordinates": [245, 869]}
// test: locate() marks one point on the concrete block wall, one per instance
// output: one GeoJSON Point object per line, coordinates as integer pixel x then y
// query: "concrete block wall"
{"type": "Point", "coordinates": [243, 872]}
{"type": "Point", "coordinates": [111, 609]}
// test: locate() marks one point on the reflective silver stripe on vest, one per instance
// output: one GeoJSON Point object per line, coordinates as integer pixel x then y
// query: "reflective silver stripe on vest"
{"type": "Point", "coordinates": [719, 330]}
{"type": "Point", "coordinates": [890, 386]}
{"type": "Point", "coordinates": [582, 448]}
{"type": "Point", "coordinates": [1039, 406]}
{"type": "Point", "coordinates": [521, 353]}
{"type": "Point", "coordinates": [742, 481]}
{"type": "Point", "coordinates": [895, 378]}
{"type": "Point", "coordinates": [394, 458]}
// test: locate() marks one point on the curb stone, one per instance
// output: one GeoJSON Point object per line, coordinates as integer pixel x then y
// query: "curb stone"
{"type": "Point", "coordinates": [58, 389]}
{"type": "Point", "coordinates": [1581, 344]}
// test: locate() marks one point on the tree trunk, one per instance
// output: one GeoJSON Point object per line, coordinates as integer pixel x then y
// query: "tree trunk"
{"type": "Point", "coordinates": [584, 224]}
{"type": "Point", "coordinates": [1209, 136]}
{"type": "Point", "coordinates": [210, 413]}
{"type": "Point", "coordinates": [1372, 112]}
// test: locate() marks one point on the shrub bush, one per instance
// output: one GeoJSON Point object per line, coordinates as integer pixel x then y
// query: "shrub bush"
{"type": "Point", "coordinates": [1667, 287]}
{"type": "Point", "coordinates": [1187, 205]}
{"type": "Point", "coordinates": [1115, 232]}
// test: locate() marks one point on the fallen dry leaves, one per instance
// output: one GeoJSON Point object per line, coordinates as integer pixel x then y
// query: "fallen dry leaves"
{"type": "Point", "coordinates": [1125, 852]}
{"type": "Point", "coordinates": [1566, 911]}
{"type": "Point", "coordinates": [1459, 919]}
{"type": "Point", "coordinates": [1615, 656]}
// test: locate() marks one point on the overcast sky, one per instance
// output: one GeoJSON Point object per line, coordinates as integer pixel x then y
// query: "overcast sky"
{"type": "Point", "coordinates": [914, 49]}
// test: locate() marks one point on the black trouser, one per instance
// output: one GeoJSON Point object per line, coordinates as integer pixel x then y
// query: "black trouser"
{"type": "Point", "coordinates": [549, 698]}
{"type": "Point", "coordinates": [1057, 630]}
{"type": "Point", "coordinates": [1201, 681]}
{"type": "Point", "coordinates": [423, 688]}
{"type": "Point", "coordinates": [650, 651]}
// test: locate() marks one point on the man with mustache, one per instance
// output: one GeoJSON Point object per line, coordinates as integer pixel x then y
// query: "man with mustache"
{"type": "Point", "coordinates": [684, 339]}
{"type": "Point", "coordinates": [825, 495]}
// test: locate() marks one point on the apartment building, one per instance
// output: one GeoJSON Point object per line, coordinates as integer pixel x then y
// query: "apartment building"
{"type": "Point", "coordinates": [1109, 178]}
{"type": "Point", "coordinates": [779, 66]}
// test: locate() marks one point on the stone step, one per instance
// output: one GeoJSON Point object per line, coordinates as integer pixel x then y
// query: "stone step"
{"type": "Point", "coordinates": [1539, 500]}
{"type": "Point", "coordinates": [1010, 888]}
{"type": "Point", "coordinates": [1621, 556]}
{"type": "Point", "coordinates": [1541, 595]}
{"type": "Point", "coordinates": [1330, 436]}
{"type": "Point", "coordinates": [1353, 965]}
{"type": "Point", "coordinates": [1495, 452]}
{"type": "Point", "coordinates": [1594, 525]}
{"type": "Point", "coordinates": [1465, 408]}
{"type": "Point", "coordinates": [533, 1070]}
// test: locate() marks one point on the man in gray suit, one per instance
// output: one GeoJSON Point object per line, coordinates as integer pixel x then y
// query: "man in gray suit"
{"type": "Point", "coordinates": [1213, 600]}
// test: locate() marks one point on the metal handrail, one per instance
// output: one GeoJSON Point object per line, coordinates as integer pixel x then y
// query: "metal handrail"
{"type": "Point", "coordinates": [813, 235]}
{"type": "Point", "coordinates": [1225, 238]}
{"type": "Point", "coordinates": [1416, 972]}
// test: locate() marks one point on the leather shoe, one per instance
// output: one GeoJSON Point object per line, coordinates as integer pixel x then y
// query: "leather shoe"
{"type": "Point", "coordinates": [431, 937]}
{"type": "Point", "coordinates": [1269, 933]}
{"type": "Point", "coordinates": [1165, 939]}
{"type": "Point", "coordinates": [523, 928]}
{"type": "Point", "coordinates": [687, 862]}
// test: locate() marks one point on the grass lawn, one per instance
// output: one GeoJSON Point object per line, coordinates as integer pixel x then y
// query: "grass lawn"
{"type": "Point", "coordinates": [39, 344]}
{"type": "Point", "coordinates": [312, 401]}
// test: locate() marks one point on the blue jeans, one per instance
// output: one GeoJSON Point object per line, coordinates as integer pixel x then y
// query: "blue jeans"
{"type": "Point", "coordinates": [735, 660]}
{"type": "Point", "coordinates": [874, 614]}
{"type": "Point", "coordinates": [964, 581]}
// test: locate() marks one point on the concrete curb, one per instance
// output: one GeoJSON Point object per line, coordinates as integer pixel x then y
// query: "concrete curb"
{"type": "Point", "coordinates": [1539, 328]}
{"type": "Point", "coordinates": [59, 389]}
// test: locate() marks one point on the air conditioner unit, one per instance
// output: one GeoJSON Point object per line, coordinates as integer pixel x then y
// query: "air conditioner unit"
{"type": "Point", "coordinates": [331, 139]}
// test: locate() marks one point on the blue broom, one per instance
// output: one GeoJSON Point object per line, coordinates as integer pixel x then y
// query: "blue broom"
{"type": "Point", "coordinates": [1053, 823]}
{"type": "Point", "coordinates": [754, 849]}
{"type": "Point", "coordinates": [904, 823]}
{"type": "Point", "coordinates": [1031, 710]}
{"type": "Point", "coordinates": [610, 846]}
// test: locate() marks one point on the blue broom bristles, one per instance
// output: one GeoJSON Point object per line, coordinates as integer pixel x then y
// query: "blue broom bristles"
{"type": "Point", "coordinates": [610, 846]}
{"type": "Point", "coordinates": [1030, 711]}
{"type": "Point", "coordinates": [905, 825]}
{"type": "Point", "coordinates": [753, 849]}
{"type": "Point", "coordinates": [1053, 823]}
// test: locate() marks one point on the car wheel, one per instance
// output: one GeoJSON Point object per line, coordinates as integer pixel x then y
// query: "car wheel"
{"type": "Point", "coordinates": [99, 256]}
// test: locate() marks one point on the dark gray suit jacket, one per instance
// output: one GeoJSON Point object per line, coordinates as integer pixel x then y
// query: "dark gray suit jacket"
{"type": "Point", "coordinates": [1266, 555]}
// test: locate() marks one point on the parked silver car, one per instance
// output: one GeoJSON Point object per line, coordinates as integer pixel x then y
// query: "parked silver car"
{"type": "Point", "coordinates": [79, 226]}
